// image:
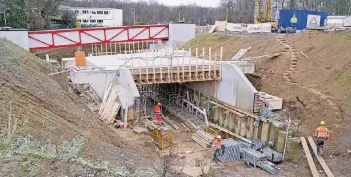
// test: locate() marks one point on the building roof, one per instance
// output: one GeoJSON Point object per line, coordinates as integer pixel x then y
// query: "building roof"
{"type": "Point", "coordinates": [70, 7]}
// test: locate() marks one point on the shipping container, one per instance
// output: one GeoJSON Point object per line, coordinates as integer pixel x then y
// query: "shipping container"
{"type": "Point", "coordinates": [302, 16]}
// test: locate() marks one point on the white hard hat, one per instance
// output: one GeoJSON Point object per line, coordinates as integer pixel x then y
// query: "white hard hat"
{"type": "Point", "coordinates": [219, 137]}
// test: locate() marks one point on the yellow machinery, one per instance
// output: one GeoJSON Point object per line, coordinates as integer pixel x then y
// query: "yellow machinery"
{"type": "Point", "coordinates": [162, 139]}
{"type": "Point", "coordinates": [264, 17]}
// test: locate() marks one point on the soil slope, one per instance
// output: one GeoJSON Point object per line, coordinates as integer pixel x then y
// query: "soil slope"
{"type": "Point", "coordinates": [318, 88]}
{"type": "Point", "coordinates": [46, 111]}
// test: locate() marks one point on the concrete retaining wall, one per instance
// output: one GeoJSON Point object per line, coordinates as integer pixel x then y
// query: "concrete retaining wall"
{"type": "Point", "coordinates": [96, 79]}
{"type": "Point", "coordinates": [18, 37]}
{"type": "Point", "coordinates": [234, 88]}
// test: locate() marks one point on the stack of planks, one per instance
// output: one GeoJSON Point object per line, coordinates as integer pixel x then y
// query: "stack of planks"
{"type": "Point", "coordinates": [202, 138]}
{"type": "Point", "coordinates": [110, 105]}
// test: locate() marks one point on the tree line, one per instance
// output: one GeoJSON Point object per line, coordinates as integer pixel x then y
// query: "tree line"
{"type": "Point", "coordinates": [37, 14]}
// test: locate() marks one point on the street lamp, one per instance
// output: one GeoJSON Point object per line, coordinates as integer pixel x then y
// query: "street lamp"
{"type": "Point", "coordinates": [179, 16]}
{"type": "Point", "coordinates": [226, 17]}
{"type": "Point", "coordinates": [133, 16]}
{"type": "Point", "coordinates": [5, 16]}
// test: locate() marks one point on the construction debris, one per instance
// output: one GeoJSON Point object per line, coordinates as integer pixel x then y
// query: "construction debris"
{"type": "Point", "coordinates": [110, 106]}
{"type": "Point", "coordinates": [203, 138]}
{"type": "Point", "coordinates": [229, 132]}
{"type": "Point", "coordinates": [140, 130]}
{"type": "Point", "coordinates": [305, 55]}
{"type": "Point", "coordinates": [272, 102]}
{"type": "Point", "coordinates": [241, 53]}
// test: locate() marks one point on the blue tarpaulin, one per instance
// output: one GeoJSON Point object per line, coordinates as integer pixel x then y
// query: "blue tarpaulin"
{"type": "Point", "coordinates": [285, 16]}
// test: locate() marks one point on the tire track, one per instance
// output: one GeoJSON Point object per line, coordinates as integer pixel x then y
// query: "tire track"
{"type": "Point", "coordinates": [293, 66]}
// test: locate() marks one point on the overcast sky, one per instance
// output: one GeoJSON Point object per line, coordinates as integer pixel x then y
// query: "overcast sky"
{"type": "Point", "coordinates": [211, 3]}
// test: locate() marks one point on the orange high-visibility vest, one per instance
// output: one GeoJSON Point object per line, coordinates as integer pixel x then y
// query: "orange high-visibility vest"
{"type": "Point", "coordinates": [157, 110]}
{"type": "Point", "coordinates": [321, 132]}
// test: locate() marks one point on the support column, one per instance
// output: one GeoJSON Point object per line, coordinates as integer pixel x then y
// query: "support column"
{"type": "Point", "coordinates": [226, 121]}
{"type": "Point", "coordinates": [231, 123]}
{"type": "Point", "coordinates": [265, 132]}
{"type": "Point", "coordinates": [281, 141]}
{"type": "Point", "coordinates": [257, 131]}
{"type": "Point", "coordinates": [273, 135]}
{"type": "Point", "coordinates": [250, 131]}
{"type": "Point", "coordinates": [243, 129]}
{"type": "Point", "coordinates": [216, 115]}
{"type": "Point", "coordinates": [236, 125]}
{"type": "Point", "coordinates": [220, 121]}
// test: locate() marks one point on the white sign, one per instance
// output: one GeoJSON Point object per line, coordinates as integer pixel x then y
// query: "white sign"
{"type": "Point", "coordinates": [313, 21]}
{"type": "Point", "coordinates": [221, 25]}
{"type": "Point", "coordinates": [236, 27]}
{"type": "Point", "coordinates": [259, 28]}
{"type": "Point", "coordinates": [254, 28]}
{"type": "Point", "coordinates": [266, 27]}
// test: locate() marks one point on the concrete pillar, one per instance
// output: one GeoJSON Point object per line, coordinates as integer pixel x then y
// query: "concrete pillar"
{"type": "Point", "coordinates": [226, 121]}
{"type": "Point", "coordinates": [257, 131]}
{"type": "Point", "coordinates": [216, 115]}
{"type": "Point", "coordinates": [236, 125]}
{"type": "Point", "coordinates": [250, 131]}
{"type": "Point", "coordinates": [265, 132]}
{"type": "Point", "coordinates": [293, 150]}
{"type": "Point", "coordinates": [275, 127]}
{"type": "Point", "coordinates": [280, 141]}
{"type": "Point", "coordinates": [221, 118]}
{"type": "Point", "coordinates": [130, 114]}
{"type": "Point", "coordinates": [231, 123]}
{"type": "Point", "coordinates": [243, 129]}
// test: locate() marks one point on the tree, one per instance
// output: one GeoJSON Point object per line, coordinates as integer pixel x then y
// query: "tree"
{"type": "Point", "coordinates": [68, 17]}
{"type": "Point", "coordinates": [15, 13]}
{"type": "Point", "coordinates": [36, 21]}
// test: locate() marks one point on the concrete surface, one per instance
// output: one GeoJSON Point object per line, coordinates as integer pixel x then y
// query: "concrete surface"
{"type": "Point", "coordinates": [18, 37]}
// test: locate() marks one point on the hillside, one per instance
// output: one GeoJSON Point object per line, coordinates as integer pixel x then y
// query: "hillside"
{"type": "Point", "coordinates": [57, 125]}
{"type": "Point", "coordinates": [318, 88]}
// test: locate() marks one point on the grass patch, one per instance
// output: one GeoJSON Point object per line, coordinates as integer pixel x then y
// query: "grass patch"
{"type": "Point", "coordinates": [40, 154]}
{"type": "Point", "coordinates": [29, 166]}
{"type": "Point", "coordinates": [344, 80]}
{"type": "Point", "coordinates": [207, 40]}
{"type": "Point", "coordinates": [5, 146]}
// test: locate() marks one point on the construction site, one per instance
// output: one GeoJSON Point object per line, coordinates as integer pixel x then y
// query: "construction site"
{"type": "Point", "coordinates": [151, 100]}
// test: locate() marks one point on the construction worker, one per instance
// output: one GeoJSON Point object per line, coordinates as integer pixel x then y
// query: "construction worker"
{"type": "Point", "coordinates": [217, 143]}
{"type": "Point", "coordinates": [322, 134]}
{"type": "Point", "coordinates": [157, 109]}
{"type": "Point", "coordinates": [293, 21]}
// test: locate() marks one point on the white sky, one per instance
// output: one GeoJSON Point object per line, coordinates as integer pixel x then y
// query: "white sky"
{"type": "Point", "coordinates": [211, 3]}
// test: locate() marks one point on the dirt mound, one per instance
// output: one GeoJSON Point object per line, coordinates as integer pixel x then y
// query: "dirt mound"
{"type": "Point", "coordinates": [47, 112]}
{"type": "Point", "coordinates": [318, 85]}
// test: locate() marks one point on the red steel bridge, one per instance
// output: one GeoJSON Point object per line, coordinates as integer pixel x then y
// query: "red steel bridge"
{"type": "Point", "coordinates": [49, 39]}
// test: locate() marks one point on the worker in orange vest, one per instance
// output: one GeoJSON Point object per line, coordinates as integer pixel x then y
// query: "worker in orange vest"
{"type": "Point", "coordinates": [157, 109]}
{"type": "Point", "coordinates": [322, 134]}
{"type": "Point", "coordinates": [217, 143]}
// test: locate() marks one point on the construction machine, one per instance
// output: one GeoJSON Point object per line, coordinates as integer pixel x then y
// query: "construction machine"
{"type": "Point", "coordinates": [264, 17]}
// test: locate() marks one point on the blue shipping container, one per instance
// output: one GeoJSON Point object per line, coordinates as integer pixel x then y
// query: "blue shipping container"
{"type": "Point", "coordinates": [285, 16]}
